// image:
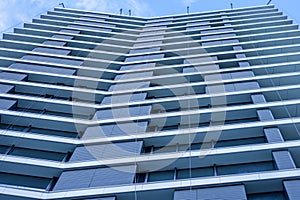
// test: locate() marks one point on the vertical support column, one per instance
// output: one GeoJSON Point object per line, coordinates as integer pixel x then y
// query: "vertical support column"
{"type": "Point", "coordinates": [241, 55]}
{"type": "Point", "coordinates": [282, 158]}
{"type": "Point", "coordinates": [284, 161]}
{"type": "Point", "coordinates": [272, 134]}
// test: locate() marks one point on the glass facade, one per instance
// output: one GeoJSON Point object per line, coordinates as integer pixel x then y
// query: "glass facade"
{"type": "Point", "coordinates": [201, 106]}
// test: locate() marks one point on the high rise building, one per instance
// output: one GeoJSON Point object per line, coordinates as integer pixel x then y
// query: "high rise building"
{"type": "Point", "coordinates": [184, 107]}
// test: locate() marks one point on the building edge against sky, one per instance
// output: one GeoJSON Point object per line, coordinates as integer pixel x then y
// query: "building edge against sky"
{"type": "Point", "coordinates": [199, 106]}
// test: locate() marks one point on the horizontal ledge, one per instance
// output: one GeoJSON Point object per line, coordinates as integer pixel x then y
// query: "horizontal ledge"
{"type": "Point", "coordinates": [113, 190]}
{"type": "Point", "coordinates": [151, 158]}
{"type": "Point", "coordinates": [149, 135]}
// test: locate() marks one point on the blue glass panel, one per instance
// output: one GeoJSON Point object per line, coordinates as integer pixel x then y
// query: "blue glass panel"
{"type": "Point", "coordinates": [246, 86]}
{"type": "Point", "coordinates": [115, 130]}
{"type": "Point", "coordinates": [237, 48]}
{"type": "Point", "coordinates": [144, 50]}
{"type": "Point", "coordinates": [137, 66]}
{"type": "Point", "coordinates": [217, 36]}
{"type": "Point", "coordinates": [129, 86]}
{"type": "Point", "coordinates": [51, 51]}
{"type": "Point", "coordinates": [143, 44]}
{"type": "Point", "coordinates": [95, 24]}
{"type": "Point", "coordinates": [159, 32]}
{"type": "Point", "coordinates": [292, 189]}
{"type": "Point", "coordinates": [273, 135]}
{"type": "Point", "coordinates": [245, 168]}
{"type": "Point", "coordinates": [106, 151]}
{"type": "Point", "coordinates": [161, 176]}
{"type": "Point", "coordinates": [5, 88]}
{"type": "Point", "coordinates": [240, 55]}
{"type": "Point", "coordinates": [159, 37]}
{"type": "Point", "coordinates": [122, 112]}
{"type": "Point", "coordinates": [211, 43]}
{"type": "Point", "coordinates": [69, 31]}
{"type": "Point", "coordinates": [12, 76]}
{"type": "Point", "coordinates": [124, 98]}
{"type": "Point", "coordinates": [6, 104]}
{"type": "Point", "coordinates": [52, 60]}
{"type": "Point", "coordinates": [55, 43]}
{"type": "Point", "coordinates": [258, 98]}
{"type": "Point", "coordinates": [267, 196]}
{"type": "Point", "coordinates": [41, 68]}
{"type": "Point", "coordinates": [95, 178]}
{"type": "Point", "coordinates": [185, 195]}
{"type": "Point", "coordinates": [90, 28]}
{"type": "Point", "coordinates": [65, 37]}
{"type": "Point", "coordinates": [113, 176]}
{"type": "Point", "coordinates": [217, 31]}
{"type": "Point", "coordinates": [146, 57]}
{"type": "Point", "coordinates": [265, 115]}
{"type": "Point", "coordinates": [227, 192]}
{"type": "Point", "coordinates": [134, 75]}
{"type": "Point", "coordinates": [243, 74]}
{"type": "Point", "coordinates": [244, 64]}
{"type": "Point", "coordinates": [129, 128]}
{"type": "Point", "coordinates": [283, 160]}
{"type": "Point", "coordinates": [74, 179]}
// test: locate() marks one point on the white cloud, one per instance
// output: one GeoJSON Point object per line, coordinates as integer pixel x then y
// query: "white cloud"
{"type": "Point", "coordinates": [5, 15]}
{"type": "Point", "coordinates": [189, 2]}
{"type": "Point", "coordinates": [16, 12]}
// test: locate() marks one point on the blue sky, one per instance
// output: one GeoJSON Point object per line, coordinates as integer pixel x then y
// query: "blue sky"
{"type": "Point", "coordinates": [13, 12]}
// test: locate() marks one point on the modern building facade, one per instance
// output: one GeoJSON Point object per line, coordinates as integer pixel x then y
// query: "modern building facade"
{"type": "Point", "coordinates": [184, 107]}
